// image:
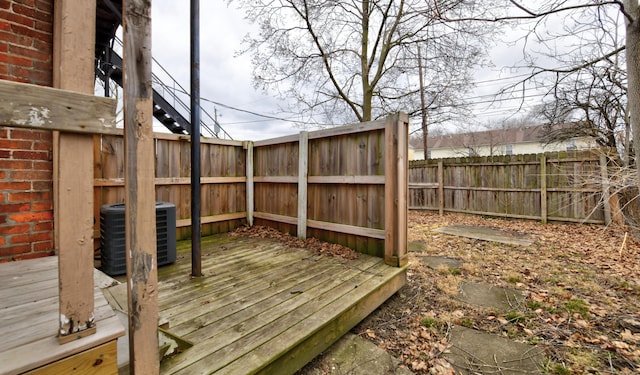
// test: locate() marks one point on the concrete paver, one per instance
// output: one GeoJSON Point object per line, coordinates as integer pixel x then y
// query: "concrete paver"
{"type": "Point", "coordinates": [486, 234]}
{"type": "Point", "coordinates": [475, 352]}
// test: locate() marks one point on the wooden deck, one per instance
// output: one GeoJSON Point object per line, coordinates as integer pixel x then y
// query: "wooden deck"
{"type": "Point", "coordinates": [264, 308]}
{"type": "Point", "coordinates": [29, 319]}
{"type": "Point", "coordinates": [261, 308]}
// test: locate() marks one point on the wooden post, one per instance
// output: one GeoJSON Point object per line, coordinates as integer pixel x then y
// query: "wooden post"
{"type": "Point", "coordinates": [303, 171]}
{"type": "Point", "coordinates": [441, 187]}
{"type": "Point", "coordinates": [543, 189]}
{"type": "Point", "coordinates": [606, 194]}
{"type": "Point", "coordinates": [396, 189]}
{"type": "Point", "coordinates": [73, 55]}
{"type": "Point", "coordinates": [140, 217]}
{"type": "Point", "coordinates": [250, 186]}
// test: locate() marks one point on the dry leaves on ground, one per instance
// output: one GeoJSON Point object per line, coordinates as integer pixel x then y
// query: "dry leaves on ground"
{"type": "Point", "coordinates": [582, 286]}
{"type": "Point", "coordinates": [312, 244]}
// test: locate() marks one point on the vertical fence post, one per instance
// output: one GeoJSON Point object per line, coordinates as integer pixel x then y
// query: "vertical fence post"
{"type": "Point", "coordinates": [606, 195]}
{"type": "Point", "coordinates": [441, 187]}
{"type": "Point", "coordinates": [250, 186]}
{"type": "Point", "coordinates": [543, 189]}
{"type": "Point", "coordinates": [396, 189]}
{"type": "Point", "coordinates": [74, 40]}
{"type": "Point", "coordinates": [140, 212]}
{"type": "Point", "coordinates": [303, 171]}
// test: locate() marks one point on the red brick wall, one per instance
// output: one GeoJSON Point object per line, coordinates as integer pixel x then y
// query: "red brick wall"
{"type": "Point", "coordinates": [26, 198]}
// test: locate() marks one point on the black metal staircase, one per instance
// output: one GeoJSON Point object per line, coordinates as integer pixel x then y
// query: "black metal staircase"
{"type": "Point", "coordinates": [170, 99]}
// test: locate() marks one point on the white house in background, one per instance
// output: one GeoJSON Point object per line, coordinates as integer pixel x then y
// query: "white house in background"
{"type": "Point", "coordinates": [510, 141]}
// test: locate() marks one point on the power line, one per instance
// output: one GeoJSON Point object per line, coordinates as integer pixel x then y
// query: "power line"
{"type": "Point", "coordinates": [495, 99]}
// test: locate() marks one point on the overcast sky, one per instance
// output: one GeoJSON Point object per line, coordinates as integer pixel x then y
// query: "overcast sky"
{"type": "Point", "coordinates": [226, 77]}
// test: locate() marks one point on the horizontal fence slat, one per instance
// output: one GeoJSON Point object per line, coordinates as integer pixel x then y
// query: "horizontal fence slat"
{"type": "Point", "coordinates": [162, 181]}
{"type": "Point", "coordinates": [274, 217]}
{"type": "Point", "coordinates": [423, 185]}
{"type": "Point", "coordinates": [562, 190]}
{"type": "Point", "coordinates": [349, 180]}
{"type": "Point", "coordinates": [348, 129]}
{"type": "Point", "coordinates": [203, 140]}
{"type": "Point", "coordinates": [212, 219]}
{"type": "Point", "coordinates": [348, 229]}
{"type": "Point", "coordinates": [342, 228]}
{"type": "Point", "coordinates": [276, 179]}
{"type": "Point", "coordinates": [277, 141]}
{"type": "Point", "coordinates": [514, 216]}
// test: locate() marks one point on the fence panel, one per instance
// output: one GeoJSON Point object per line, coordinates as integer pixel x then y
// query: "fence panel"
{"type": "Point", "coordinates": [351, 183]}
{"type": "Point", "coordinates": [223, 172]}
{"type": "Point", "coordinates": [562, 186]}
{"type": "Point", "coordinates": [350, 180]}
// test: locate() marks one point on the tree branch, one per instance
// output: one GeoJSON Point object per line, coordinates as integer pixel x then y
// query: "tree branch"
{"type": "Point", "coordinates": [534, 15]}
{"type": "Point", "coordinates": [325, 60]}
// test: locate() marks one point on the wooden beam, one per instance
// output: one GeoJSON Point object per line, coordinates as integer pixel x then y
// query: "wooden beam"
{"type": "Point", "coordinates": [250, 185]}
{"type": "Point", "coordinates": [348, 229]}
{"type": "Point", "coordinates": [276, 179]}
{"type": "Point", "coordinates": [277, 141]}
{"type": "Point", "coordinates": [348, 180]}
{"type": "Point", "coordinates": [167, 181]}
{"type": "Point", "coordinates": [46, 108]}
{"type": "Point", "coordinates": [274, 217]}
{"type": "Point", "coordinates": [140, 212]}
{"type": "Point", "coordinates": [303, 171]}
{"type": "Point", "coordinates": [606, 194]}
{"type": "Point", "coordinates": [440, 187]}
{"type": "Point", "coordinates": [348, 129]}
{"type": "Point", "coordinates": [73, 70]}
{"type": "Point", "coordinates": [543, 189]}
{"type": "Point", "coordinates": [396, 189]}
{"type": "Point", "coordinates": [212, 219]}
{"type": "Point", "coordinates": [332, 132]}
{"type": "Point", "coordinates": [100, 360]}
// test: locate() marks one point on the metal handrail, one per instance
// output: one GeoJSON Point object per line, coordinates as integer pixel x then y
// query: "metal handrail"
{"type": "Point", "coordinates": [170, 93]}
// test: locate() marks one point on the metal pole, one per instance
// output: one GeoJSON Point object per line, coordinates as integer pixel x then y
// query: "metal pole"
{"type": "Point", "coordinates": [425, 131]}
{"type": "Point", "coordinates": [196, 252]}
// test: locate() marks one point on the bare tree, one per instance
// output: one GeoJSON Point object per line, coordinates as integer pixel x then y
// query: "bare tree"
{"type": "Point", "coordinates": [576, 50]}
{"type": "Point", "coordinates": [340, 61]}
{"type": "Point", "coordinates": [589, 91]}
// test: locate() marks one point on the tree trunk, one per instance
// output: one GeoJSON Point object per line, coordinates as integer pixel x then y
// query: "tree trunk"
{"type": "Point", "coordinates": [367, 96]}
{"type": "Point", "coordinates": [633, 73]}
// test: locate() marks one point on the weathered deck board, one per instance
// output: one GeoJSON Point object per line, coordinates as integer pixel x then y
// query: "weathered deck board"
{"type": "Point", "coordinates": [29, 317]}
{"type": "Point", "coordinates": [264, 308]}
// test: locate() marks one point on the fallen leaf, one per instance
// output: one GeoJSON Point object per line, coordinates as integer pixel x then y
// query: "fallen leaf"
{"type": "Point", "coordinates": [581, 323]}
{"type": "Point", "coordinates": [627, 335]}
{"type": "Point", "coordinates": [371, 334]}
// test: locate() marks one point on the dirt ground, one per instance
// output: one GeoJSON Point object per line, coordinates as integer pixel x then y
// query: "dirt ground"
{"type": "Point", "coordinates": [581, 282]}
{"type": "Point", "coordinates": [582, 289]}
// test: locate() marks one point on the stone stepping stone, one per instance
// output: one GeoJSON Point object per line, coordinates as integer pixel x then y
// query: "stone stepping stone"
{"type": "Point", "coordinates": [486, 234]}
{"type": "Point", "coordinates": [435, 262]}
{"type": "Point", "coordinates": [491, 296]}
{"type": "Point", "coordinates": [475, 352]}
{"type": "Point", "coordinates": [355, 356]}
{"type": "Point", "coordinates": [416, 246]}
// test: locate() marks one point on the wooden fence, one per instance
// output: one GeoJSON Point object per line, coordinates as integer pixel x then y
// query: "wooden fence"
{"type": "Point", "coordinates": [345, 185]}
{"type": "Point", "coordinates": [561, 186]}
{"type": "Point", "coordinates": [223, 180]}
